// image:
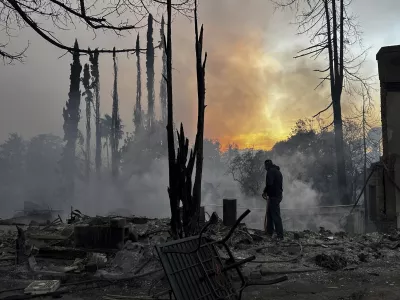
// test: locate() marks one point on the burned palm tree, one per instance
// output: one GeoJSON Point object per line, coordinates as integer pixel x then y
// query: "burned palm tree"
{"type": "Point", "coordinates": [95, 73]}
{"type": "Point", "coordinates": [89, 101]}
{"type": "Point", "coordinates": [115, 125]}
{"type": "Point", "coordinates": [150, 73]}
{"type": "Point", "coordinates": [137, 113]}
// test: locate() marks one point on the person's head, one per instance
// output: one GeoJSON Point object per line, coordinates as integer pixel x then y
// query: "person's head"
{"type": "Point", "coordinates": [267, 164]}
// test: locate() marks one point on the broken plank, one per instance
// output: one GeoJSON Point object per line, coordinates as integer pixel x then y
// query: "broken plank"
{"type": "Point", "coordinates": [6, 258]}
{"type": "Point", "coordinates": [48, 237]}
{"type": "Point", "coordinates": [61, 253]}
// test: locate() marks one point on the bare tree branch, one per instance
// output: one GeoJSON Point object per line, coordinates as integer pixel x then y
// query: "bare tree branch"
{"type": "Point", "coordinates": [18, 14]}
{"type": "Point", "coordinates": [327, 126]}
{"type": "Point", "coordinates": [325, 109]}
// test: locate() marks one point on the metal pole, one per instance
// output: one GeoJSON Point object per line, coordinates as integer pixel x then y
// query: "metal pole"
{"type": "Point", "coordinates": [229, 212]}
{"type": "Point", "coordinates": [366, 214]}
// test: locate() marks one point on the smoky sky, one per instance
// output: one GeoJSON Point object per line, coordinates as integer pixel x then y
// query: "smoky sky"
{"type": "Point", "coordinates": [255, 89]}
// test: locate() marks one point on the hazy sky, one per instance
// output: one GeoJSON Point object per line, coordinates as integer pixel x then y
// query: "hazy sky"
{"type": "Point", "coordinates": [255, 89]}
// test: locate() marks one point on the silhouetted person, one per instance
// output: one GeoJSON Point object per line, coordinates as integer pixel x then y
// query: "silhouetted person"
{"type": "Point", "coordinates": [273, 194]}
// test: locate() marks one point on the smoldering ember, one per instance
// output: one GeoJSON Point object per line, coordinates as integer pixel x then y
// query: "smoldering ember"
{"type": "Point", "coordinates": [155, 158]}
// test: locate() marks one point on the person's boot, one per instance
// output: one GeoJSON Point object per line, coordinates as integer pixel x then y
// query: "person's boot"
{"type": "Point", "coordinates": [269, 235]}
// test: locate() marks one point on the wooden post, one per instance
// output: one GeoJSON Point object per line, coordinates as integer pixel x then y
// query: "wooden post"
{"type": "Point", "coordinates": [229, 212]}
{"type": "Point", "coordinates": [202, 216]}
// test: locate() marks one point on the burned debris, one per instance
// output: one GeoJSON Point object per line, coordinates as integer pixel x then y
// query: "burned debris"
{"type": "Point", "coordinates": [185, 257]}
{"type": "Point", "coordinates": [74, 256]}
{"type": "Point", "coordinates": [100, 248]}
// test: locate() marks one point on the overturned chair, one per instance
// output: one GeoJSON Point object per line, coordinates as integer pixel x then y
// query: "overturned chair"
{"type": "Point", "coordinates": [196, 271]}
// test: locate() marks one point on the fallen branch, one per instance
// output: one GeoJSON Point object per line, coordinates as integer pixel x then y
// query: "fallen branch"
{"type": "Point", "coordinates": [280, 261]}
{"type": "Point", "coordinates": [292, 271]}
{"type": "Point", "coordinates": [321, 245]}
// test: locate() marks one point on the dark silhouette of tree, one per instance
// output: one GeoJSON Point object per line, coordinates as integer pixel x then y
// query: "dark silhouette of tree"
{"type": "Point", "coordinates": [137, 114]}
{"type": "Point", "coordinates": [163, 84]}
{"type": "Point", "coordinates": [230, 153]}
{"type": "Point", "coordinates": [150, 72]}
{"type": "Point", "coordinates": [89, 101]}
{"type": "Point", "coordinates": [318, 149]}
{"type": "Point", "coordinates": [180, 167]}
{"type": "Point", "coordinates": [94, 70]}
{"type": "Point", "coordinates": [43, 179]}
{"type": "Point", "coordinates": [12, 169]}
{"type": "Point", "coordinates": [71, 114]}
{"type": "Point", "coordinates": [173, 167]}
{"type": "Point", "coordinates": [116, 125]}
{"type": "Point", "coordinates": [106, 124]}
{"type": "Point", "coordinates": [201, 95]}
{"type": "Point", "coordinates": [106, 129]}
{"type": "Point", "coordinates": [212, 154]}
{"type": "Point", "coordinates": [247, 169]}
{"type": "Point", "coordinates": [18, 14]}
{"type": "Point", "coordinates": [333, 30]}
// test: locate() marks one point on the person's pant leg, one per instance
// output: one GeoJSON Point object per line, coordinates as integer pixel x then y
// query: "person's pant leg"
{"type": "Point", "coordinates": [270, 221]}
{"type": "Point", "coordinates": [275, 211]}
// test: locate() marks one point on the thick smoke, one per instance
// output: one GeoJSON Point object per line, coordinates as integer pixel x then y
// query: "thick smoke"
{"type": "Point", "coordinates": [300, 200]}
{"type": "Point", "coordinates": [140, 195]}
{"type": "Point", "coordinates": [255, 93]}
{"type": "Point", "coordinates": [298, 194]}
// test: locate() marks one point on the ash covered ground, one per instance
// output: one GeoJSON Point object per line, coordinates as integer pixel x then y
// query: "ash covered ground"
{"type": "Point", "coordinates": [319, 264]}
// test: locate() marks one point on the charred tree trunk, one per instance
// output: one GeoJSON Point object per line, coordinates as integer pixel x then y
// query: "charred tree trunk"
{"type": "Point", "coordinates": [201, 93]}
{"type": "Point", "coordinates": [336, 69]}
{"type": "Point", "coordinates": [339, 149]}
{"type": "Point", "coordinates": [89, 101]}
{"type": "Point", "coordinates": [137, 115]}
{"type": "Point", "coordinates": [94, 60]}
{"type": "Point", "coordinates": [180, 168]}
{"type": "Point", "coordinates": [115, 124]}
{"type": "Point", "coordinates": [150, 73]}
{"type": "Point", "coordinates": [163, 86]}
{"type": "Point", "coordinates": [173, 181]}
{"type": "Point", "coordinates": [184, 175]}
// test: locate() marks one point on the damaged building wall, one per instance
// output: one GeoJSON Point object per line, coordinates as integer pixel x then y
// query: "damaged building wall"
{"type": "Point", "coordinates": [377, 194]}
{"type": "Point", "coordinates": [383, 194]}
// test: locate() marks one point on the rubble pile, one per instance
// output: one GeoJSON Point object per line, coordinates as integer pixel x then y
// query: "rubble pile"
{"type": "Point", "coordinates": [51, 252]}
{"type": "Point", "coordinates": [119, 249]}
{"type": "Point", "coordinates": [317, 251]}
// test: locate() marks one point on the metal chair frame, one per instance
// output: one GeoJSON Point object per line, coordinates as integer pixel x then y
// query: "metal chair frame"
{"type": "Point", "coordinates": [196, 271]}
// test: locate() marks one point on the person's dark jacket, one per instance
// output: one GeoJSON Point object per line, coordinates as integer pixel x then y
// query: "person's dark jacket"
{"type": "Point", "coordinates": [274, 179]}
